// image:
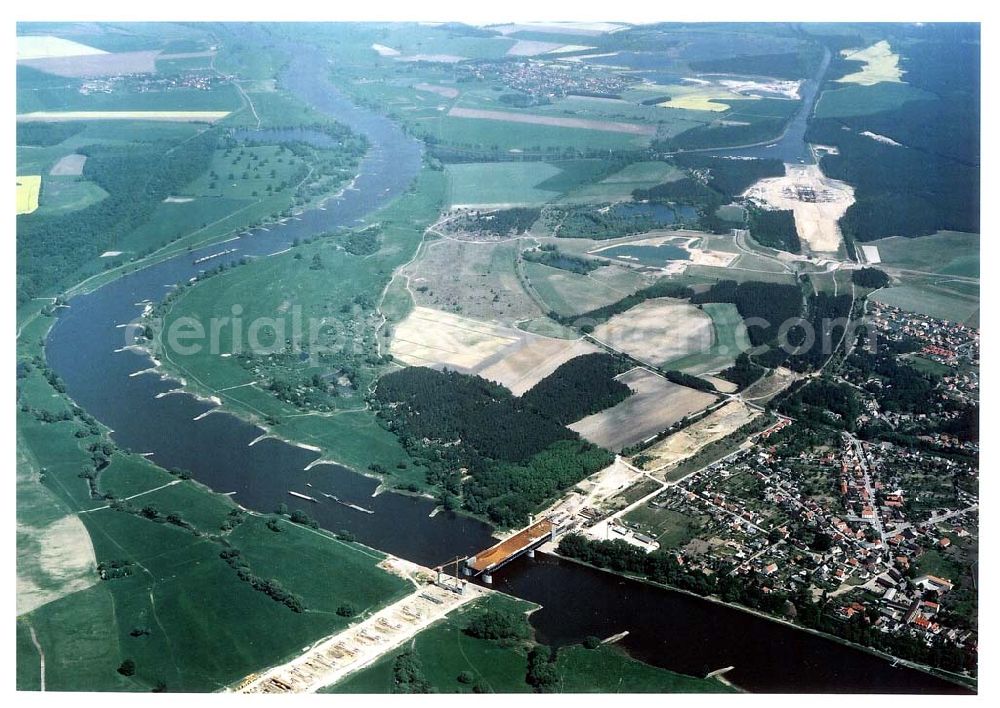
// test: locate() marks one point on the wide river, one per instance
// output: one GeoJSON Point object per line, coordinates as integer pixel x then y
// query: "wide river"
{"type": "Point", "coordinates": [666, 628]}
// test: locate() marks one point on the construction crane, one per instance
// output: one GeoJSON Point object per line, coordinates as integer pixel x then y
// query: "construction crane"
{"type": "Point", "coordinates": [459, 584]}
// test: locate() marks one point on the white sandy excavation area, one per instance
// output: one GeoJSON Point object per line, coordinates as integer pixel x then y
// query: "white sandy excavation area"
{"type": "Point", "coordinates": [516, 359]}
{"type": "Point", "coordinates": [817, 202]}
{"type": "Point", "coordinates": [359, 646]}
{"type": "Point", "coordinates": [655, 405]}
{"type": "Point", "coordinates": [684, 443]}
{"type": "Point", "coordinates": [69, 165]}
{"type": "Point", "coordinates": [658, 330]}
{"type": "Point", "coordinates": [880, 64]}
{"type": "Point", "coordinates": [180, 116]}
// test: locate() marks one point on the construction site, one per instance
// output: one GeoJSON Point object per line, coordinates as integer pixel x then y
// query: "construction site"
{"type": "Point", "coordinates": [435, 595]}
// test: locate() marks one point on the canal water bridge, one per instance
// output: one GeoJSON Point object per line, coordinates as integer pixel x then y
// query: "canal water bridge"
{"type": "Point", "coordinates": [525, 541]}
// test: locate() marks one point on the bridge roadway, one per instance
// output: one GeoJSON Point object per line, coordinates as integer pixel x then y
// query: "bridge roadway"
{"type": "Point", "coordinates": [502, 553]}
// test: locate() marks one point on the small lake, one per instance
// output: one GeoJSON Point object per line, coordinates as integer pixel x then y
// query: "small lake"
{"type": "Point", "coordinates": [652, 255]}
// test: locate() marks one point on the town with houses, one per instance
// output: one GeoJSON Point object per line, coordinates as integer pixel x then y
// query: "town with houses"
{"type": "Point", "coordinates": [879, 532]}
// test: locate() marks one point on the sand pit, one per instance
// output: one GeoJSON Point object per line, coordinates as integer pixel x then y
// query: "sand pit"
{"type": "Point", "coordinates": [880, 65]}
{"type": "Point", "coordinates": [658, 330]}
{"type": "Point", "coordinates": [776, 87]}
{"type": "Point", "coordinates": [610, 126]}
{"type": "Point", "coordinates": [655, 405]}
{"type": "Point", "coordinates": [685, 443]}
{"type": "Point", "coordinates": [817, 202]}
{"type": "Point", "coordinates": [69, 165]}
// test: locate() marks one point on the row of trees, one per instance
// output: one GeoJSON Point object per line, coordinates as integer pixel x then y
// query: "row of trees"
{"type": "Point", "coordinates": [270, 587]}
{"type": "Point", "coordinates": [662, 567]}
{"type": "Point", "coordinates": [661, 288]}
{"type": "Point", "coordinates": [554, 258]}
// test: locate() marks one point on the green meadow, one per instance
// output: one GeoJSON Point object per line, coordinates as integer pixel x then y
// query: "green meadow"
{"type": "Point", "coordinates": [728, 341]}
{"type": "Point", "coordinates": [343, 290]}
{"type": "Point", "coordinates": [500, 183]}
{"type": "Point", "coordinates": [455, 662]}
{"type": "Point", "coordinates": [179, 612]}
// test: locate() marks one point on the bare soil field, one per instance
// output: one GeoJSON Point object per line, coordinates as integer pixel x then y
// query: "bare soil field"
{"type": "Point", "coordinates": [69, 165]}
{"type": "Point", "coordinates": [47, 47]}
{"type": "Point", "coordinates": [529, 48]}
{"type": "Point", "coordinates": [432, 337]}
{"type": "Point", "coordinates": [655, 405]}
{"type": "Point", "coordinates": [575, 28]}
{"type": "Point", "coordinates": [770, 386]}
{"type": "Point", "coordinates": [511, 357]}
{"type": "Point", "coordinates": [446, 91]}
{"type": "Point", "coordinates": [817, 202]}
{"type": "Point", "coordinates": [685, 443]}
{"type": "Point", "coordinates": [52, 562]}
{"type": "Point", "coordinates": [609, 126]}
{"type": "Point", "coordinates": [74, 60]}
{"type": "Point", "coordinates": [172, 116]}
{"type": "Point", "coordinates": [476, 279]}
{"type": "Point", "coordinates": [94, 65]}
{"type": "Point", "coordinates": [720, 384]}
{"type": "Point", "coordinates": [658, 330]}
{"type": "Point", "coordinates": [526, 365]}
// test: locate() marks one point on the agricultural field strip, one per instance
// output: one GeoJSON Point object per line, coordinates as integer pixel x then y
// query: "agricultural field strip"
{"type": "Point", "coordinates": [536, 119]}
{"type": "Point", "coordinates": [28, 189]}
{"type": "Point", "coordinates": [71, 164]}
{"type": "Point", "coordinates": [178, 115]}
{"type": "Point", "coordinates": [513, 358]}
{"type": "Point", "coordinates": [654, 406]}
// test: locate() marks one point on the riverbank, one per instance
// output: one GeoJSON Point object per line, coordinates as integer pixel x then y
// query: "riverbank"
{"type": "Point", "coordinates": [964, 682]}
